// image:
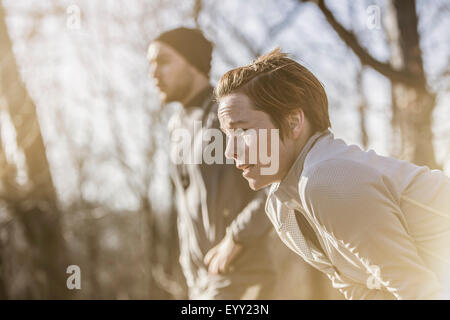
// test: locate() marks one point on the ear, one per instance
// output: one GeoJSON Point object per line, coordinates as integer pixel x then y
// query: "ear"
{"type": "Point", "coordinates": [296, 122]}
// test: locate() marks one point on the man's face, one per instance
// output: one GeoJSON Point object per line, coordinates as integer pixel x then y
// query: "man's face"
{"type": "Point", "coordinates": [171, 72]}
{"type": "Point", "coordinates": [240, 120]}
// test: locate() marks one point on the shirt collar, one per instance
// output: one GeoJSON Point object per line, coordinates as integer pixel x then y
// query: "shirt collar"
{"type": "Point", "coordinates": [288, 187]}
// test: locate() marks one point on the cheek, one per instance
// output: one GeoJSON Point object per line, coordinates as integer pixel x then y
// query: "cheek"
{"type": "Point", "coordinates": [251, 145]}
{"type": "Point", "coordinates": [164, 70]}
{"type": "Point", "coordinates": [183, 77]}
{"type": "Point", "coordinates": [265, 142]}
{"type": "Point", "coordinates": [251, 141]}
{"type": "Point", "coordinates": [284, 151]}
{"type": "Point", "coordinates": [170, 72]}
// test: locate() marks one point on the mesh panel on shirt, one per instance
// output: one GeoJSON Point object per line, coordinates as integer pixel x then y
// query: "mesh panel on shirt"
{"type": "Point", "coordinates": [299, 242]}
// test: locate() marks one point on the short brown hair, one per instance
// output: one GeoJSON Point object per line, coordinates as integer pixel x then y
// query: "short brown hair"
{"type": "Point", "coordinates": [278, 86]}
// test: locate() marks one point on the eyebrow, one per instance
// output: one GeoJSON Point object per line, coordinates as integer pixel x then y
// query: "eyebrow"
{"type": "Point", "coordinates": [158, 57]}
{"type": "Point", "coordinates": [234, 124]}
{"type": "Point", "coordinates": [162, 56]}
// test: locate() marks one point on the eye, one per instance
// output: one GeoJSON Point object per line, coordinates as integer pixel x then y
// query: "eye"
{"type": "Point", "coordinates": [226, 132]}
{"type": "Point", "coordinates": [239, 132]}
{"type": "Point", "coordinates": [242, 132]}
{"type": "Point", "coordinates": [162, 61]}
{"type": "Point", "coordinates": [246, 134]}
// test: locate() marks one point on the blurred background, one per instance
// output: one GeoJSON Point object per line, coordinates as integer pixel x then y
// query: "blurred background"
{"type": "Point", "coordinates": [83, 137]}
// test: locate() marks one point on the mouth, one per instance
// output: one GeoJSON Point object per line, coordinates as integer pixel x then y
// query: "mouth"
{"type": "Point", "coordinates": [246, 168]}
{"type": "Point", "coordinates": [160, 85]}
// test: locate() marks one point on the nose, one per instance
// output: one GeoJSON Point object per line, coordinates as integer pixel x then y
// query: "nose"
{"type": "Point", "coordinates": [231, 150]}
{"type": "Point", "coordinates": [236, 150]}
{"type": "Point", "coordinates": [154, 71]}
{"type": "Point", "coordinates": [151, 75]}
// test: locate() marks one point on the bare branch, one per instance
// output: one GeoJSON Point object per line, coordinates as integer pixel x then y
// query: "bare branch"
{"type": "Point", "coordinates": [364, 56]}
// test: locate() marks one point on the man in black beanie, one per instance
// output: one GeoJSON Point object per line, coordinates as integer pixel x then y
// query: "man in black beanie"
{"type": "Point", "coordinates": [223, 230]}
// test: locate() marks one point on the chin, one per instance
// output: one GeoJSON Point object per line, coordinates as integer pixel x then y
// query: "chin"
{"type": "Point", "coordinates": [252, 185]}
{"type": "Point", "coordinates": [167, 97]}
{"type": "Point", "coordinates": [260, 182]}
{"type": "Point", "coordinates": [162, 97]}
{"type": "Point", "coordinates": [255, 185]}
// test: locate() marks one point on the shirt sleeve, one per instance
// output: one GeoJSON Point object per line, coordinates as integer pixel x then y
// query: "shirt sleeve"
{"type": "Point", "coordinates": [252, 222]}
{"type": "Point", "coordinates": [357, 204]}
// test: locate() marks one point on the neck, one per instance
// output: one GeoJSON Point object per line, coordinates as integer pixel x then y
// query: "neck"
{"type": "Point", "coordinates": [303, 139]}
{"type": "Point", "coordinates": [298, 146]}
{"type": "Point", "coordinates": [197, 87]}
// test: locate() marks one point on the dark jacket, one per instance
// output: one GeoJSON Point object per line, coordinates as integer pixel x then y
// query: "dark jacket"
{"type": "Point", "coordinates": [213, 197]}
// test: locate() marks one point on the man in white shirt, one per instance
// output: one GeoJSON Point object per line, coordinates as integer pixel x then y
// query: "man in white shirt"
{"type": "Point", "coordinates": [378, 227]}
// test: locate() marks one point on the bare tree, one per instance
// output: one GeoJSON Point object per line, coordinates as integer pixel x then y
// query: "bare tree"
{"type": "Point", "coordinates": [34, 206]}
{"type": "Point", "coordinates": [413, 101]}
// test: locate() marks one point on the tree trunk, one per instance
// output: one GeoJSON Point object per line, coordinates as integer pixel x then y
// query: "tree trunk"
{"type": "Point", "coordinates": [35, 208]}
{"type": "Point", "coordinates": [362, 108]}
{"type": "Point", "coordinates": [412, 106]}
{"type": "Point", "coordinates": [413, 103]}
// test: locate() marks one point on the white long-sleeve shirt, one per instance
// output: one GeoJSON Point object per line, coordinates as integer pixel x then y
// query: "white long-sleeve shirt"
{"type": "Point", "coordinates": [382, 225]}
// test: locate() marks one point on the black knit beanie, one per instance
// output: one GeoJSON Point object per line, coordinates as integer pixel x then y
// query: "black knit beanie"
{"type": "Point", "coordinates": [192, 45]}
